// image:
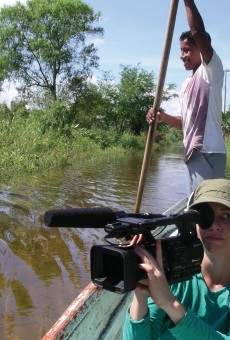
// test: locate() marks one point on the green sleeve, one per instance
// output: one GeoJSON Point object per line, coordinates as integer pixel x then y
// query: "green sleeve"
{"type": "Point", "coordinates": [137, 330]}
{"type": "Point", "coordinates": [192, 327]}
{"type": "Point", "coordinates": [148, 328]}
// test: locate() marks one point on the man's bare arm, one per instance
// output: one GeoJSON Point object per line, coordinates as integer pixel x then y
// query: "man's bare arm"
{"type": "Point", "coordinates": [197, 29]}
{"type": "Point", "coordinates": [174, 121]}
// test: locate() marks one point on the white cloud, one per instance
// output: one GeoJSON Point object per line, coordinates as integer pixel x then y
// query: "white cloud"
{"type": "Point", "coordinates": [171, 106]}
{"type": "Point", "coordinates": [8, 93]}
{"type": "Point", "coordinates": [93, 79]}
{"type": "Point", "coordinates": [97, 41]}
{"type": "Point", "coordinates": [10, 2]}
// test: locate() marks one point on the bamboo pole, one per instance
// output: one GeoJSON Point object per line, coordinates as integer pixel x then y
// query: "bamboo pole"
{"type": "Point", "coordinates": [157, 101]}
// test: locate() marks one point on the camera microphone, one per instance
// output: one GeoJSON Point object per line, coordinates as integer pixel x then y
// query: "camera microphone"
{"type": "Point", "coordinates": [79, 217]}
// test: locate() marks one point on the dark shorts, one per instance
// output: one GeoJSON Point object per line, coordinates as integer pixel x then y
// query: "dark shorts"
{"type": "Point", "coordinates": [205, 166]}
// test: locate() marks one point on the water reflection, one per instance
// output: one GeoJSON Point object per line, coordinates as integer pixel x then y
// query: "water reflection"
{"type": "Point", "coordinates": [42, 269]}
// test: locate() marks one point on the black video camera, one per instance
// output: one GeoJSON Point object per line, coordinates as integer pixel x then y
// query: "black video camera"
{"type": "Point", "coordinates": [115, 267]}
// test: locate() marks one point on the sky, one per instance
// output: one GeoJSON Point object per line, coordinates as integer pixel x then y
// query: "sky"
{"type": "Point", "coordinates": [134, 33]}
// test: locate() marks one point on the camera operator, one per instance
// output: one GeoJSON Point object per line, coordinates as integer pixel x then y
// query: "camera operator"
{"type": "Point", "coordinates": [198, 308]}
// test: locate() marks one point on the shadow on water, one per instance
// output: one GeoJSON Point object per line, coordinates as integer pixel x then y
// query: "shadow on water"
{"type": "Point", "coordinates": [43, 269]}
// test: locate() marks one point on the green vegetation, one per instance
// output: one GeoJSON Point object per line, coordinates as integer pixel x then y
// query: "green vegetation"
{"type": "Point", "coordinates": [44, 46]}
{"type": "Point", "coordinates": [28, 145]}
{"type": "Point", "coordinates": [226, 122]}
{"type": "Point", "coordinates": [45, 49]}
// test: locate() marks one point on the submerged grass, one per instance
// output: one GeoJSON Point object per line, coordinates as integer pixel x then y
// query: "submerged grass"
{"type": "Point", "coordinates": [25, 148]}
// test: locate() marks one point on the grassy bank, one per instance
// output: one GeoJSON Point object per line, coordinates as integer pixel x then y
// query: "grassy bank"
{"type": "Point", "coordinates": [25, 148]}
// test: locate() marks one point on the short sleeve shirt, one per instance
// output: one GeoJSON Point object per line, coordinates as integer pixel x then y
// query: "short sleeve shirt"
{"type": "Point", "coordinates": [200, 108]}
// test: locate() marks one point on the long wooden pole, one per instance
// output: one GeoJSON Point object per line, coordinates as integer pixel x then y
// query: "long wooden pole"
{"type": "Point", "coordinates": [157, 101]}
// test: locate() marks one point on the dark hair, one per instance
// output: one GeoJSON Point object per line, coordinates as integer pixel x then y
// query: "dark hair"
{"type": "Point", "coordinates": [188, 35]}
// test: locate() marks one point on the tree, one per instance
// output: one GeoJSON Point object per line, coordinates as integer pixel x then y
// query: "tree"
{"type": "Point", "coordinates": [44, 45]}
{"type": "Point", "coordinates": [96, 104]}
{"type": "Point", "coordinates": [121, 106]}
{"type": "Point", "coordinates": [136, 95]}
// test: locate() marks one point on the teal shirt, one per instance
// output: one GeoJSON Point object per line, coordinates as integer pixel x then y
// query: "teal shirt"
{"type": "Point", "coordinates": [207, 317]}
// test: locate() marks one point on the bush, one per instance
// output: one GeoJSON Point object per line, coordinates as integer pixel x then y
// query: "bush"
{"type": "Point", "coordinates": [58, 116]}
{"type": "Point", "coordinates": [129, 141]}
{"type": "Point", "coordinates": [5, 113]}
{"type": "Point", "coordinates": [226, 122]}
{"type": "Point", "coordinates": [103, 138]}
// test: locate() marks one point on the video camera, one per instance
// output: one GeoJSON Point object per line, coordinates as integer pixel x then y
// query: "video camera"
{"type": "Point", "coordinates": [115, 266]}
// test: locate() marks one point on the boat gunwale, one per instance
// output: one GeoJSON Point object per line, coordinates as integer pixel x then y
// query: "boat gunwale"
{"type": "Point", "coordinates": [72, 311]}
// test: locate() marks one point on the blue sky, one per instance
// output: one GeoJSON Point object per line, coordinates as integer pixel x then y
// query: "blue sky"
{"type": "Point", "coordinates": [134, 32]}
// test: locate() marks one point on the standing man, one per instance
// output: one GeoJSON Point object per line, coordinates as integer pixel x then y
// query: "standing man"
{"type": "Point", "coordinates": [200, 103]}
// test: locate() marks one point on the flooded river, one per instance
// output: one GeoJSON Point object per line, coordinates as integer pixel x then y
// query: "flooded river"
{"type": "Point", "coordinates": [43, 269]}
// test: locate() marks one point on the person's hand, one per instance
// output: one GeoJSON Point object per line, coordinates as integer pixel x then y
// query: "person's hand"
{"type": "Point", "coordinates": [151, 115]}
{"type": "Point", "coordinates": [157, 287]}
{"type": "Point", "coordinates": [157, 284]}
{"type": "Point", "coordinates": [136, 239]}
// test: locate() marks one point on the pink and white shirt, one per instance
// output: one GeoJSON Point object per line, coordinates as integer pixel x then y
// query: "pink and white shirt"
{"type": "Point", "coordinates": [200, 108]}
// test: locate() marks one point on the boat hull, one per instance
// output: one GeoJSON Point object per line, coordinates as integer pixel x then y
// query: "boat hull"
{"type": "Point", "coordinates": [78, 323]}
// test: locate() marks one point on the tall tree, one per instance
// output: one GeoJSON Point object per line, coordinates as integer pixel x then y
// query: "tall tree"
{"type": "Point", "coordinates": [136, 95]}
{"type": "Point", "coordinates": [45, 44]}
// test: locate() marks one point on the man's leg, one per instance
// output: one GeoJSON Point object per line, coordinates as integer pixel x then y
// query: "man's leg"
{"type": "Point", "coordinates": [205, 166]}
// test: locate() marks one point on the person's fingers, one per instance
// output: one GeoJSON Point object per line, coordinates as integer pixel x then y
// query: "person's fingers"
{"type": "Point", "coordinates": [149, 119]}
{"type": "Point", "coordinates": [134, 240]}
{"type": "Point", "coordinates": [139, 238]}
{"type": "Point", "coordinates": [145, 256]}
{"type": "Point", "coordinates": [147, 267]}
{"type": "Point", "coordinates": [159, 256]}
{"type": "Point", "coordinates": [150, 115]}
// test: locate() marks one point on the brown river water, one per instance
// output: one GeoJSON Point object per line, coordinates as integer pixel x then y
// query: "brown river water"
{"type": "Point", "coordinates": [43, 269]}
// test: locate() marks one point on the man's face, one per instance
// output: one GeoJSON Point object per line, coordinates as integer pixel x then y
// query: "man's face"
{"type": "Point", "coordinates": [190, 55]}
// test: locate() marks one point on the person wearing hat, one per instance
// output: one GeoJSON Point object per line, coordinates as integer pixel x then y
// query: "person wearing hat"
{"type": "Point", "coordinates": [198, 308]}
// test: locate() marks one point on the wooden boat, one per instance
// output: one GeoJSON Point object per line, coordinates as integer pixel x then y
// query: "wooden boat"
{"type": "Point", "coordinates": [96, 313]}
